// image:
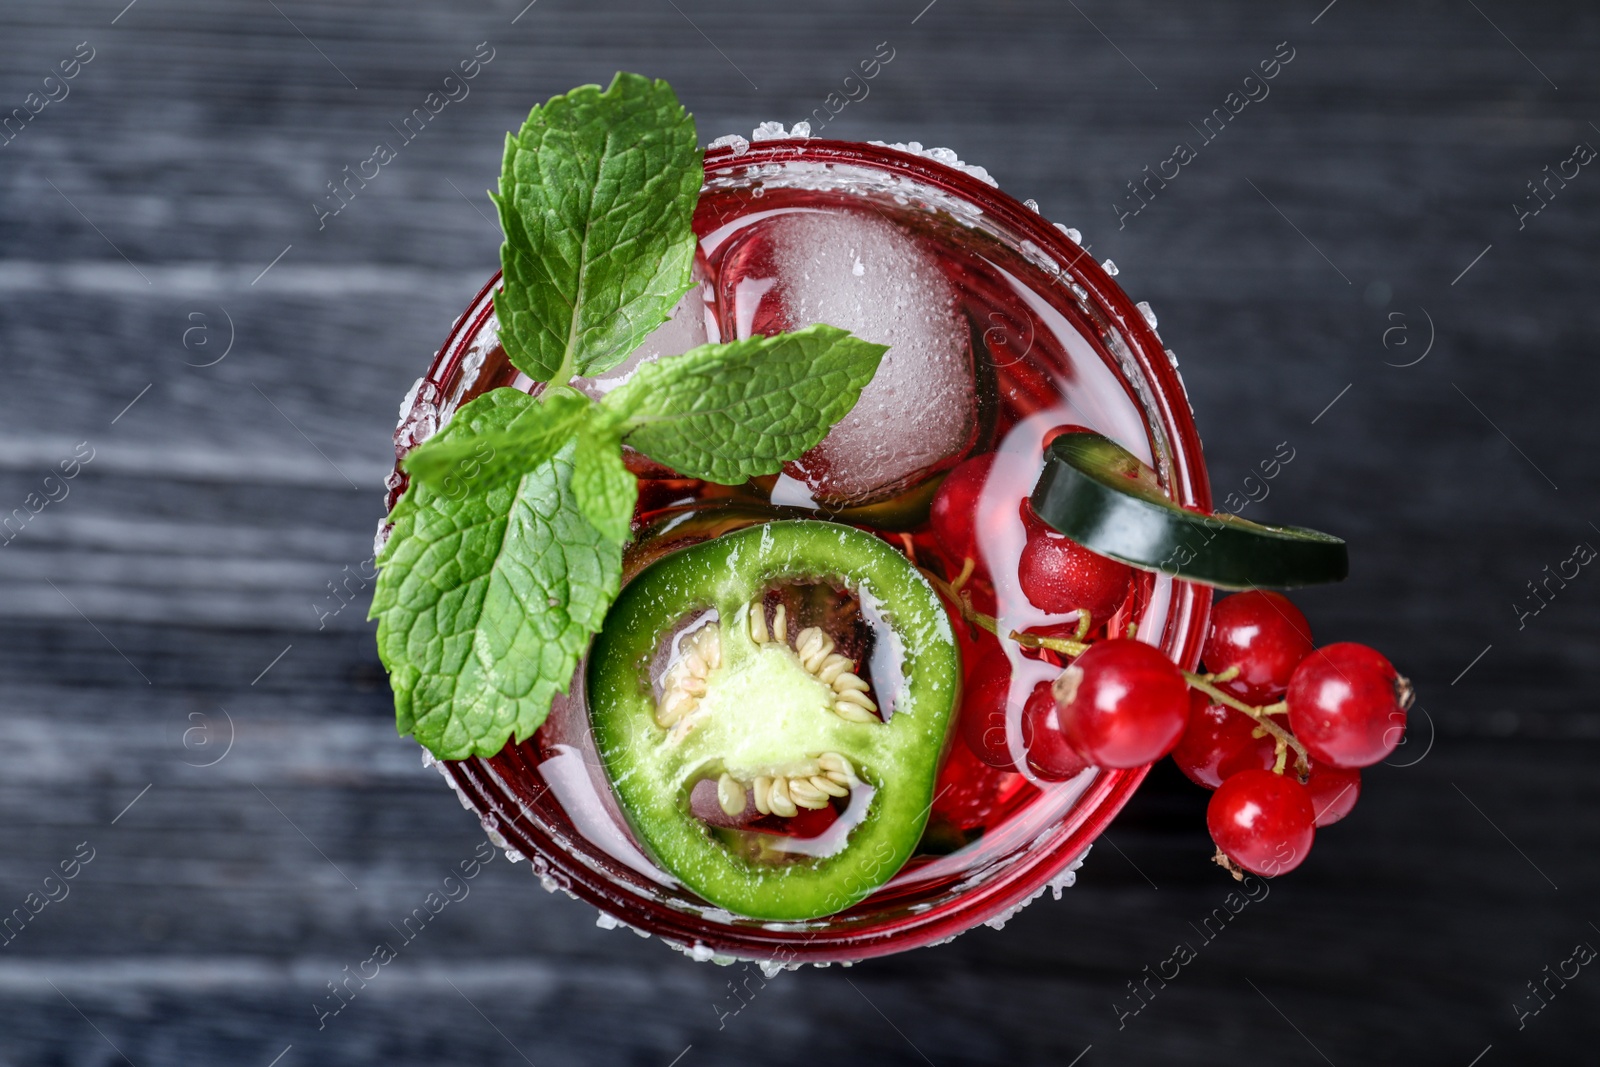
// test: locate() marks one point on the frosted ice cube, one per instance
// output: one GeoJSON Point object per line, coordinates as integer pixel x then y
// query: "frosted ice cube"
{"type": "Point", "coordinates": [691, 324]}
{"type": "Point", "coordinates": [857, 271]}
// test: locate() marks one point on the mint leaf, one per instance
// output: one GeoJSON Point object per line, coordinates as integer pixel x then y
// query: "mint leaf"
{"type": "Point", "coordinates": [451, 463]}
{"type": "Point", "coordinates": [729, 412]}
{"type": "Point", "coordinates": [602, 485]}
{"type": "Point", "coordinates": [485, 603]}
{"type": "Point", "coordinates": [506, 550]}
{"type": "Point", "coordinates": [596, 196]}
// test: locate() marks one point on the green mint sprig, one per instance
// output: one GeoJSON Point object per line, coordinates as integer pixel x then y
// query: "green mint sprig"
{"type": "Point", "coordinates": [485, 602]}
{"type": "Point", "coordinates": [493, 453]}
{"type": "Point", "coordinates": [731, 412]}
{"type": "Point", "coordinates": [506, 550]}
{"type": "Point", "coordinates": [596, 195]}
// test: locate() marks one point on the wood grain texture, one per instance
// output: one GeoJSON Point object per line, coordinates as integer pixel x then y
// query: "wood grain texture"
{"type": "Point", "coordinates": [199, 543]}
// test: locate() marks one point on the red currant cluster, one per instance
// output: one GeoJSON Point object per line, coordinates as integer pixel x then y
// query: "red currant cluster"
{"type": "Point", "coordinates": [1276, 727]}
{"type": "Point", "coordinates": [1342, 707]}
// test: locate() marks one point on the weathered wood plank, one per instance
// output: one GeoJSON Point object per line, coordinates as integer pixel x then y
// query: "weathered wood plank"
{"type": "Point", "coordinates": [199, 542]}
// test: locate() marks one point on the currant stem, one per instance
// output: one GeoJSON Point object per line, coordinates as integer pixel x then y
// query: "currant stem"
{"type": "Point", "coordinates": [1065, 645]}
{"type": "Point", "coordinates": [1068, 646]}
{"type": "Point", "coordinates": [962, 601]}
{"type": "Point", "coordinates": [1221, 860]}
{"type": "Point", "coordinates": [1284, 739]}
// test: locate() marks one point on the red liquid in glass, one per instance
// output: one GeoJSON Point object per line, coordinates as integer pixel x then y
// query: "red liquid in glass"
{"type": "Point", "coordinates": [1036, 357]}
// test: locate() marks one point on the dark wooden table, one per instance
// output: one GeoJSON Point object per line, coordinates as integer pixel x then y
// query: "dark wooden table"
{"type": "Point", "coordinates": [182, 701]}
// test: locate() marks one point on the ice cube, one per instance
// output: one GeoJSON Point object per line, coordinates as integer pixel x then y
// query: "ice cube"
{"type": "Point", "coordinates": [691, 324]}
{"type": "Point", "coordinates": [860, 272]}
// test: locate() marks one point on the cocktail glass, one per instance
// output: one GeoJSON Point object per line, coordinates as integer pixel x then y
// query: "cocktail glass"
{"type": "Point", "coordinates": [1053, 340]}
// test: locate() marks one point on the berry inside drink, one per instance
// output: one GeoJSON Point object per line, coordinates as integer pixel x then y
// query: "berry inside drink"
{"type": "Point", "coordinates": [995, 345]}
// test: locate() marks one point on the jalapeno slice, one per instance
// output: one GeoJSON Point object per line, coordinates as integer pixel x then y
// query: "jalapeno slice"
{"type": "Point", "coordinates": [771, 707]}
{"type": "Point", "coordinates": [1097, 493]}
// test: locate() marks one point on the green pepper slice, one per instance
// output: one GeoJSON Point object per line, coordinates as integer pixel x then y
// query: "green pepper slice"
{"type": "Point", "coordinates": [1098, 493]}
{"type": "Point", "coordinates": [771, 708]}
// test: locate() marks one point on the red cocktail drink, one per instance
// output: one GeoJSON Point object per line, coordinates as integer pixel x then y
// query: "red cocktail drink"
{"type": "Point", "coordinates": [1001, 329]}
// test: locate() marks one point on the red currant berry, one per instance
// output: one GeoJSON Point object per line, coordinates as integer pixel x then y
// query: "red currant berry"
{"type": "Point", "coordinates": [1347, 705]}
{"type": "Point", "coordinates": [954, 514]}
{"type": "Point", "coordinates": [1262, 821]}
{"type": "Point", "coordinates": [1334, 791]}
{"type": "Point", "coordinates": [969, 791]}
{"type": "Point", "coordinates": [1218, 742]}
{"type": "Point", "coordinates": [984, 712]}
{"type": "Point", "coordinates": [1123, 703]}
{"type": "Point", "coordinates": [1251, 759]}
{"type": "Point", "coordinates": [1264, 635]}
{"type": "Point", "coordinates": [1059, 575]}
{"type": "Point", "coordinates": [1049, 755]}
